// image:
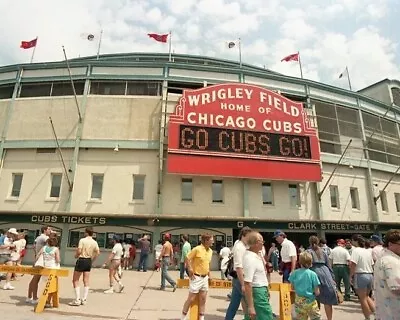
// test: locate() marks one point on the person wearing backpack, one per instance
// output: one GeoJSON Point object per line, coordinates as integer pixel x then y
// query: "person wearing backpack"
{"type": "Point", "coordinates": [236, 272]}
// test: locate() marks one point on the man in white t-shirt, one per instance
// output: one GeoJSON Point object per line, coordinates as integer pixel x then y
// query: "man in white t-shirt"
{"type": "Point", "coordinates": [340, 261]}
{"type": "Point", "coordinates": [361, 273]}
{"type": "Point", "coordinates": [288, 255]}
{"type": "Point", "coordinates": [255, 280]}
{"type": "Point", "coordinates": [239, 249]}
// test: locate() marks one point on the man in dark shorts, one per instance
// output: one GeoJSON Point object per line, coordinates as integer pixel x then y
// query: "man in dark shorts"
{"type": "Point", "coordinates": [87, 251]}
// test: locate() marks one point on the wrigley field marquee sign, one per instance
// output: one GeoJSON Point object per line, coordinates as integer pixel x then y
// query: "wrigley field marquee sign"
{"type": "Point", "coordinates": [241, 130]}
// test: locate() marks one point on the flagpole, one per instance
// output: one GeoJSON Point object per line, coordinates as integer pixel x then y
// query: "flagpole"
{"type": "Point", "coordinates": [98, 49]}
{"type": "Point", "coordinates": [240, 53]}
{"type": "Point", "coordinates": [72, 84]}
{"type": "Point", "coordinates": [301, 69]}
{"type": "Point", "coordinates": [34, 49]}
{"type": "Point", "coordinates": [348, 78]}
{"type": "Point", "coordinates": [170, 47]}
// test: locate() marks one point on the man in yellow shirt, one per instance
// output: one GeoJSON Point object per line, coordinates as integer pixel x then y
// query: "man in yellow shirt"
{"type": "Point", "coordinates": [198, 263]}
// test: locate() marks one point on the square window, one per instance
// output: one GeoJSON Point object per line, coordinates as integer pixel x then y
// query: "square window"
{"type": "Point", "coordinates": [355, 201]}
{"type": "Point", "coordinates": [16, 184]}
{"type": "Point", "coordinates": [138, 187]}
{"type": "Point", "coordinates": [334, 191]}
{"type": "Point", "coordinates": [294, 195]}
{"type": "Point", "coordinates": [187, 189]}
{"type": "Point", "coordinates": [97, 186]}
{"type": "Point", "coordinates": [217, 191]}
{"type": "Point", "coordinates": [384, 203]}
{"type": "Point", "coordinates": [397, 201]}
{"type": "Point", "coordinates": [55, 189]}
{"type": "Point", "coordinates": [267, 196]}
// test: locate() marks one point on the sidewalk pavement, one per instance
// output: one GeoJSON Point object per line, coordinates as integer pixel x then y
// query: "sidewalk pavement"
{"type": "Point", "coordinates": [141, 300]}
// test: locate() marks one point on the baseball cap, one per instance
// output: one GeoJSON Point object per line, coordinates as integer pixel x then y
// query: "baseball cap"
{"type": "Point", "coordinates": [376, 238]}
{"type": "Point", "coordinates": [12, 230]}
{"type": "Point", "coordinates": [278, 233]}
{"type": "Point", "coordinates": [341, 242]}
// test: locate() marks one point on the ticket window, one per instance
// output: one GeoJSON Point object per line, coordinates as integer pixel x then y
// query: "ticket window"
{"type": "Point", "coordinates": [193, 240]}
{"type": "Point", "coordinates": [219, 242]}
{"type": "Point", "coordinates": [175, 239]}
{"type": "Point", "coordinates": [31, 235]}
{"type": "Point", "coordinates": [75, 236]}
{"type": "Point", "coordinates": [110, 237]}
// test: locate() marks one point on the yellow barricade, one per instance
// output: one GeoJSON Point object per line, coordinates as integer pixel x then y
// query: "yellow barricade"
{"type": "Point", "coordinates": [51, 288]}
{"type": "Point", "coordinates": [284, 289]}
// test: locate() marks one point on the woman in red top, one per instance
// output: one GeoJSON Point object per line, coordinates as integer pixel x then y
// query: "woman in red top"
{"type": "Point", "coordinates": [132, 254]}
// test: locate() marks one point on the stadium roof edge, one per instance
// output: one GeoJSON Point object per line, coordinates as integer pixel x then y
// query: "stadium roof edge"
{"type": "Point", "coordinates": [387, 81]}
{"type": "Point", "coordinates": [132, 59]}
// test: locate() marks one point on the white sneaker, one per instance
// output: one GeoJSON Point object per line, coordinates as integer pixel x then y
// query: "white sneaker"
{"type": "Point", "coordinates": [34, 302]}
{"type": "Point", "coordinates": [28, 300]}
{"type": "Point", "coordinates": [8, 286]}
{"type": "Point", "coordinates": [111, 290]}
{"type": "Point", "coordinates": [75, 303]}
{"type": "Point", "coordinates": [48, 305]}
{"type": "Point", "coordinates": [121, 288]}
{"type": "Point", "coordinates": [83, 302]}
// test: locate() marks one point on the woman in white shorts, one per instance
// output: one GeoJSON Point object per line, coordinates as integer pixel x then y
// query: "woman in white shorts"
{"type": "Point", "coordinates": [114, 262]}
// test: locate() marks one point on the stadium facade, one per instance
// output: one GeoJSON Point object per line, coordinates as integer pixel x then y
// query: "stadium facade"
{"type": "Point", "coordinates": [127, 157]}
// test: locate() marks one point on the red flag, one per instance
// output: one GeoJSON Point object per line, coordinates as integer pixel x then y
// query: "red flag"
{"type": "Point", "coordinates": [159, 37]}
{"type": "Point", "coordinates": [28, 44]}
{"type": "Point", "coordinates": [291, 57]}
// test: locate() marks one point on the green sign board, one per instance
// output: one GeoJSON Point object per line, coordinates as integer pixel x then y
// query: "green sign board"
{"type": "Point", "coordinates": [187, 222]}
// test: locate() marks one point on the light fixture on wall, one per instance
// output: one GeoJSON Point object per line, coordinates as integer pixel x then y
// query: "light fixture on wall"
{"type": "Point", "coordinates": [116, 149]}
{"type": "Point", "coordinates": [348, 163]}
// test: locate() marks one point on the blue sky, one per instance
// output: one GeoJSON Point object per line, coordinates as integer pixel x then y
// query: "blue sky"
{"type": "Point", "coordinates": [362, 34]}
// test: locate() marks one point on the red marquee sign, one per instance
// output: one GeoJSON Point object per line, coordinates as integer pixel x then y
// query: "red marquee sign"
{"type": "Point", "coordinates": [244, 131]}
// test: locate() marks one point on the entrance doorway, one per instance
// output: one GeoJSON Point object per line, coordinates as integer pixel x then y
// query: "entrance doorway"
{"type": "Point", "coordinates": [331, 238]}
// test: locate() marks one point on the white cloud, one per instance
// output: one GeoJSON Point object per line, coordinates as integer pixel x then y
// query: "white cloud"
{"type": "Point", "coordinates": [220, 8]}
{"type": "Point", "coordinates": [297, 29]}
{"type": "Point", "coordinates": [377, 10]}
{"type": "Point", "coordinates": [181, 7]}
{"type": "Point", "coordinates": [329, 34]}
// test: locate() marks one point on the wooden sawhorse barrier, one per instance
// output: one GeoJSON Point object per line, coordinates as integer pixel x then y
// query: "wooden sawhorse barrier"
{"type": "Point", "coordinates": [284, 289]}
{"type": "Point", "coordinates": [51, 288]}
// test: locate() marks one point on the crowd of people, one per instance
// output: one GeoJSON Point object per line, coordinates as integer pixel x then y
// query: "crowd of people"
{"type": "Point", "coordinates": [369, 269]}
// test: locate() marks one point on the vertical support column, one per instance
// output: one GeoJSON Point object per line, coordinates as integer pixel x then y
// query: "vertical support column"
{"type": "Point", "coordinates": [8, 117]}
{"type": "Point", "coordinates": [316, 186]}
{"type": "Point", "coordinates": [78, 138]}
{"type": "Point", "coordinates": [64, 242]}
{"type": "Point", "coordinates": [374, 216]}
{"type": "Point", "coordinates": [163, 120]}
{"type": "Point", "coordinates": [246, 211]}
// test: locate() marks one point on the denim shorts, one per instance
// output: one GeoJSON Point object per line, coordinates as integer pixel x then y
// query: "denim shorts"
{"type": "Point", "coordinates": [363, 281]}
{"type": "Point", "coordinates": [4, 258]}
